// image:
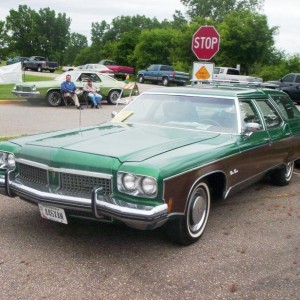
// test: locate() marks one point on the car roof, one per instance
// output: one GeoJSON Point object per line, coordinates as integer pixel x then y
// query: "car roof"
{"type": "Point", "coordinates": [218, 91]}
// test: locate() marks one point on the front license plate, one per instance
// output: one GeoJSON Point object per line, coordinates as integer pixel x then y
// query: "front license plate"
{"type": "Point", "coordinates": [53, 213]}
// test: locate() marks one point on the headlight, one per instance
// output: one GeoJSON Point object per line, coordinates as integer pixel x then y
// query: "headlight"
{"type": "Point", "coordinates": [129, 182]}
{"type": "Point", "coordinates": [149, 185]}
{"type": "Point", "coordinates": [137, 185]}
{"type": "Point", "coordinates": [11, 162]}
{"type": "Point", "coordinates": [7, 160]}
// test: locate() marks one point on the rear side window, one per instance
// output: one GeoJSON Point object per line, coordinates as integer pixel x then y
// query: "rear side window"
{"type": "Point", "coordinates": [271, 116]}
{"type": "Point", "coordinates": [286, 106]}
{"type": "Point", "coordinates": [297, 79]}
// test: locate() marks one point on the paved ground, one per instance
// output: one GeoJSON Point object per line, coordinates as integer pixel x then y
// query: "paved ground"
{"type": "Point", "coordinates": [250, 250]}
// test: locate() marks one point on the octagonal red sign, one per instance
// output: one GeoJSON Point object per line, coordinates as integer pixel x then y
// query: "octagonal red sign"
{"type": "Point", "coordinates": [206, 42]}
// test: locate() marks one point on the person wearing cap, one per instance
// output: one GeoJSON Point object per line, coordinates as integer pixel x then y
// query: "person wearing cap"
{"type": "Point", "coordinates": [92, 91]}
{"type": "Point", "coordinates": [68, 88]}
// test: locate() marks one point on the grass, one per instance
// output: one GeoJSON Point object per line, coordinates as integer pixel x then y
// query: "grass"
{"type": "Point", "coordinates": [9, 137]}
{"type": "Point", "coordinates": [5, 89]}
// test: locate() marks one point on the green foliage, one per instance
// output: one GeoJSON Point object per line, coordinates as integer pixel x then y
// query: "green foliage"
{"type": "Point", "coordinates": [76, 43]}
{"type": "Point", "coordinates": [152, 48]}
{"type": "Point", "coordinates": [246, 39]}
{"type": "Point", "coordinates": [217, 9]}
{"type": "Point", "coordinates": [38, 33]}
{"type": "Point", "coordinates": [283, 66]}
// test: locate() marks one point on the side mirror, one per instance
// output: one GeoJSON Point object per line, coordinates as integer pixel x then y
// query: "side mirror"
{"type": "Point", "coordinates": [250, 128]}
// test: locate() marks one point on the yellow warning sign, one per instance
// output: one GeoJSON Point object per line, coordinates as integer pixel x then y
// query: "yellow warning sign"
{"type": "Point", "coordinates": [202, 73]}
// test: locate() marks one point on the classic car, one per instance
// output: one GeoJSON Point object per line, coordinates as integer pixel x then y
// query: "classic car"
{"type": "Point", "coordinates": [96, 68]}
{"type": "Point", "coordinates": [160, 161]}
{"type": "Point", "coordinates": [119, 71]}
{"type": "Point", "coordinates": [110, 89]}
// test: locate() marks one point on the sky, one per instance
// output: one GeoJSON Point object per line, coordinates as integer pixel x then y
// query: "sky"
{"type": "Point", "coordinates": [284, 15]}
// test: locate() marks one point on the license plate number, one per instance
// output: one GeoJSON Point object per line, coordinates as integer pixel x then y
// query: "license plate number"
{"type": "Point", "coordinates": [53, 213]}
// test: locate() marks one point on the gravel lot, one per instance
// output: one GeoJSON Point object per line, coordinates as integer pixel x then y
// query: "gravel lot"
{"type": "Point", "coordinates": [250, 250]}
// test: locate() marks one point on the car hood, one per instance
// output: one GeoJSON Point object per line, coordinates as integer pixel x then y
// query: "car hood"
{"type": "Point", "coordinates": [116, 140]}
{"type": "Point", "coordinates": [40, 84]}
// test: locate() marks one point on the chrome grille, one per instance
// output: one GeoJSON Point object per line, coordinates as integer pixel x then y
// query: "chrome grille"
{"type": "Point", "coordinates": [33, 174]}
{"type": "Point", "coordinates": [69, 184]}
{"type": "Point", "coordinates": [72, 184]}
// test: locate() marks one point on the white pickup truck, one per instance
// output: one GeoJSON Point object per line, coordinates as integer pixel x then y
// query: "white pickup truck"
{"type": "Point", "coordinates": [233, 75]}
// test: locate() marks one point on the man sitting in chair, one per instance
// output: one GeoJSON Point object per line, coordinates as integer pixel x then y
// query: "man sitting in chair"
{"type": "Point", "coordinates": [68, 89]}
{"type": "Point", "coordinates": [91, 89]}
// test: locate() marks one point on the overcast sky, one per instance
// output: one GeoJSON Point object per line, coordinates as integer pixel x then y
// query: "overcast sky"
{"type": "Point", "coordinates": [284, 14]}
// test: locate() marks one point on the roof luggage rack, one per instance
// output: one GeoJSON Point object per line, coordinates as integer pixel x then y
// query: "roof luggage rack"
{"type": "Point", "coordinates": [231, 84]}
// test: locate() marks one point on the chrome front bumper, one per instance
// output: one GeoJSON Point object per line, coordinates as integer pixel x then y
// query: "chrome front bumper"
{"type": "Point", "coordinates": [27, 94]}
{"type": "Point", "coordinates": [133, 215]}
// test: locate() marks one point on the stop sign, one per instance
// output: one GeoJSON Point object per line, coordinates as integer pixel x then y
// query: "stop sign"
{"type": "Point", "coordinates": [206, 42]}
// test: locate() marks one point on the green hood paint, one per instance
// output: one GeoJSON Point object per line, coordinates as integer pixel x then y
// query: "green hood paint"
{"type": "Point", "coordinates": [124, 142]}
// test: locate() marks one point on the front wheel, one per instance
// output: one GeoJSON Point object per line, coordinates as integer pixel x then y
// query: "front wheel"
{"type": "Point", "coordinates": [283, 175]}
{"type": "Point", "coordinates": [54, 98]}
{"type": "Point", "coordinates": [39, 69]}
{"type": "Point", "coordinates": [165, 81]}
{"type": "Point", "coordinates": [113, 97]}
{"type": "Point", "coordinates": [189, 228]}
{"type": "Point", "coordinates": [141, 79]}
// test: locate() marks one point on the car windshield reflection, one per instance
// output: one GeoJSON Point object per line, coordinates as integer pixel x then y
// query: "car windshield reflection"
{"type": "Point", "coordinates": [188, 112]}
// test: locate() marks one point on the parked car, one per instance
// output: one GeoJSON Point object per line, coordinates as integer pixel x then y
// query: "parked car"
{"type": "Point", "coordinates": [288, 80]}
{"type": "Point", "coordinates": [39, 64]}
{"type": "Point", "coordinates": [164, 74]}
{"type": "Point", "coordinates": [119, 71]}
{"type": "Point", "coordinates": [160, 161]}
{"type": "Point", "coordinates": [293, 92]}
{"type": "Point", "coordinates": [16, 59]}
{"type": "Point", "coordinates": [96, 68]}
{"type": "Point", "coordinates": [233, 74]}
{"type": "Point", "coordinates": [110, 88]}
{"type": "Point", "coordinates": [67, 68]}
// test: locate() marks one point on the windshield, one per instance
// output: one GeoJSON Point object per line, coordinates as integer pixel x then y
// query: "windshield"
{"type": "Point", "coordinates": [190, 112]}
{"type": "Point", "coordinates": [83, 76]}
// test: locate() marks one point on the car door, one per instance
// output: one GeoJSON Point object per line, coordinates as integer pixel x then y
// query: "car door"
{"type": "Point", "coordinates": [151, 73]}
{"type": "Point", "coordinates": [292, 116]}
{"type": "Point", "coordinates": [255, 146]}
{"type": "Point", "coordinates": [293, 92]}
{"type": "Point", "coordinates": [281, 137]}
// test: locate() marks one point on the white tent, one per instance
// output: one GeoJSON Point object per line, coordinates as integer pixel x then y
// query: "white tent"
{"type": "Point", "coordinates": [11, 73]}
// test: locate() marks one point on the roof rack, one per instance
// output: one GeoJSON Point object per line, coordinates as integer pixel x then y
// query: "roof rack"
{"type": "Point", "coordinates": [232, 83]}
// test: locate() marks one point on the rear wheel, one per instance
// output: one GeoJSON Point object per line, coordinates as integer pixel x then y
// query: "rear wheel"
{"type": "Point", "coordinates": [189, 228]}
{"type": "Point", "coordinates": [54, 98]}
{"type": "Point", "coordinates": [113, 96]}
{"type": "Point", "coordinates": [39, 69]}
{"type": "Point", "coordinates": [283, 175]}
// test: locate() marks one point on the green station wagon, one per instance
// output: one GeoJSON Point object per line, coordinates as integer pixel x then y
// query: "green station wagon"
{"type": "Point", "coordinates": [160, 161]}
{"type": "Point", "coordinates": [49, 91]}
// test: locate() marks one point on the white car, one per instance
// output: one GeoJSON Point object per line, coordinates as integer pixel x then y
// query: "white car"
{"type": "Point", "coordinates": [96, 68]}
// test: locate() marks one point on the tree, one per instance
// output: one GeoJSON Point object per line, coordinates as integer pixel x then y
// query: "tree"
{"type": "Point", "coordinates": [76, 43]}
{"type": "Point", "coordinates": [41, 33]}
{"type": "Point", "coordinates": [246, 39]}
{"type": "Point", "coordinates": [19, 25]}
{"type": "Point", "coordinates": [217, 9]}
{"type": "Point", "coordinates": [154, 47]}
{"type": "Point", "coordinates": [3, 40]}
